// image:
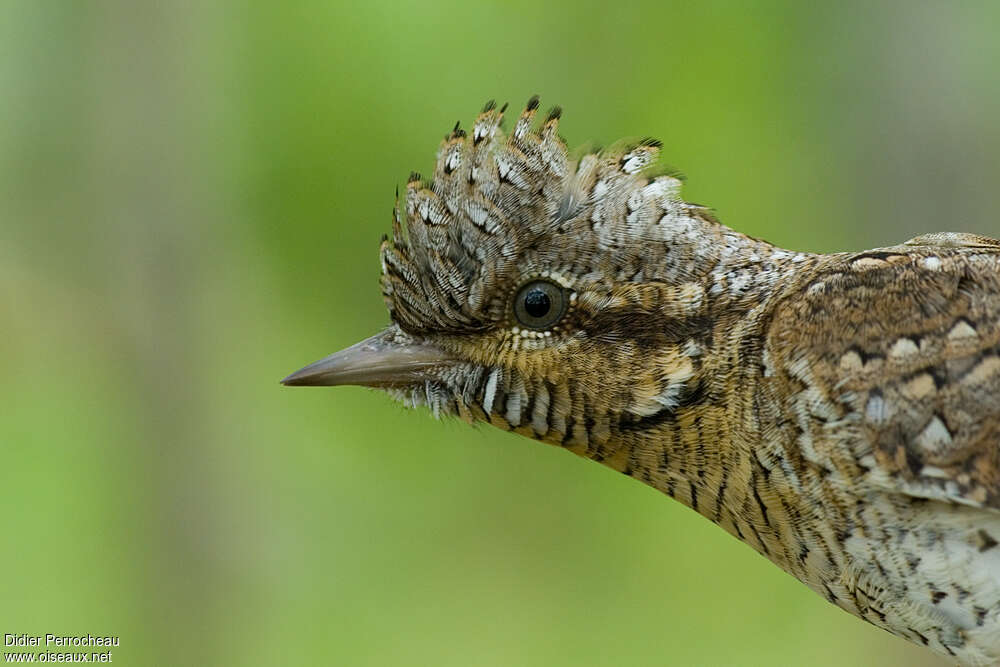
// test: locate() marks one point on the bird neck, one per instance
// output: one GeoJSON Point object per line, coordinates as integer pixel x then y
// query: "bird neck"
{"type": "Point", "coordinates": [705, 451]}
{"type": "Point", "coordinates": [738, 273]}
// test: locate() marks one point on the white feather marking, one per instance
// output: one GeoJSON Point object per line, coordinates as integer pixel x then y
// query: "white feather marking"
{"type": "Point", "coordinates": [636, 161]}
{"type": "Point", "coordinates": [476, 213]}
{"type": "Point", "coordinates": [503, 167]}
{"type": "Point", "coordinates": [515, 400]}
{"type": "Point", "coordinates": [600, 189]}
{"type": "Point", "coordinates": [934, 436]}
{"type": "Point", "coordinates": [877, 410]}
{"type": "Point", "coordinates": [491, 390]}
{"type": "Point", "coordinates": [540, 413]}
{"type": "Point", "coordinates": [961, 330]}
{"type": "Point", "coordinates": [903, 347]}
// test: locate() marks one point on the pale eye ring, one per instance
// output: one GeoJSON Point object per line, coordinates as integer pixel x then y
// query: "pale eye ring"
{"type": "Point", "coordinates": [539, 305]}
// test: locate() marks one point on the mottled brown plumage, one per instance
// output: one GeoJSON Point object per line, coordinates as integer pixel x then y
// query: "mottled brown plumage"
{"type": "Point", "coordinates": [839, 413]}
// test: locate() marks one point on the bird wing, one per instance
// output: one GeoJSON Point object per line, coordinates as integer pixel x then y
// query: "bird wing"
{"type": "Point", "coordinates": [890, 358]}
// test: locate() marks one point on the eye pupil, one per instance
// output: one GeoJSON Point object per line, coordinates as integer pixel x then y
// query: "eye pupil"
{"type": "Point", "coordinates": [537, 303]}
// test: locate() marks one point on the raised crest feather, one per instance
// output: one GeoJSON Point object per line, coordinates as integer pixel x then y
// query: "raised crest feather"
{"type": "Point", "coordinates": [495, 197]}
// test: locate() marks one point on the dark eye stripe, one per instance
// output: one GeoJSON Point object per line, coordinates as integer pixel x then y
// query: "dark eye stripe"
{"type": "Point", "coordinates": [539, 305]}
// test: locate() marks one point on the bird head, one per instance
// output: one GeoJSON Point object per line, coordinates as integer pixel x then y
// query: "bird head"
{"type": "Point", "coordinates": [566, 298]}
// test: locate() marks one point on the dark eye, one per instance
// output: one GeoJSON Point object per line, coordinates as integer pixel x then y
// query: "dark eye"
{"type": "Point", "coordinates": [539, 305]}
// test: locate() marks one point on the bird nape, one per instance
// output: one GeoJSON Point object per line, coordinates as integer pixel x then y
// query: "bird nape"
{"type": "Point", "coordinates": [838, 413]}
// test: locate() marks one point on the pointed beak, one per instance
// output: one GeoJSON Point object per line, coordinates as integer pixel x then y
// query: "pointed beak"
{"type": "Point", "coordinates": [378, 361]}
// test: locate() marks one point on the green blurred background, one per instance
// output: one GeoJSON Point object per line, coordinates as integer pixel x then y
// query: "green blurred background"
{"type": "Point", "coordinates": [191, 198]}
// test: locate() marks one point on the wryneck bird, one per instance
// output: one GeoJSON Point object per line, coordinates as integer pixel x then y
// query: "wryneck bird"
{"type": "Point", "coordinates": [839, 413]}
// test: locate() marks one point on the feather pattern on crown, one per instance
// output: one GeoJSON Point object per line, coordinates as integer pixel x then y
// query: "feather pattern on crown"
{"type": "Point", "coordinates": [499, 205]}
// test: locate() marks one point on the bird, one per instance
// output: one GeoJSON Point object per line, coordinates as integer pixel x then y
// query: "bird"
{"type": "Point", "coordinates": [839, 413]}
